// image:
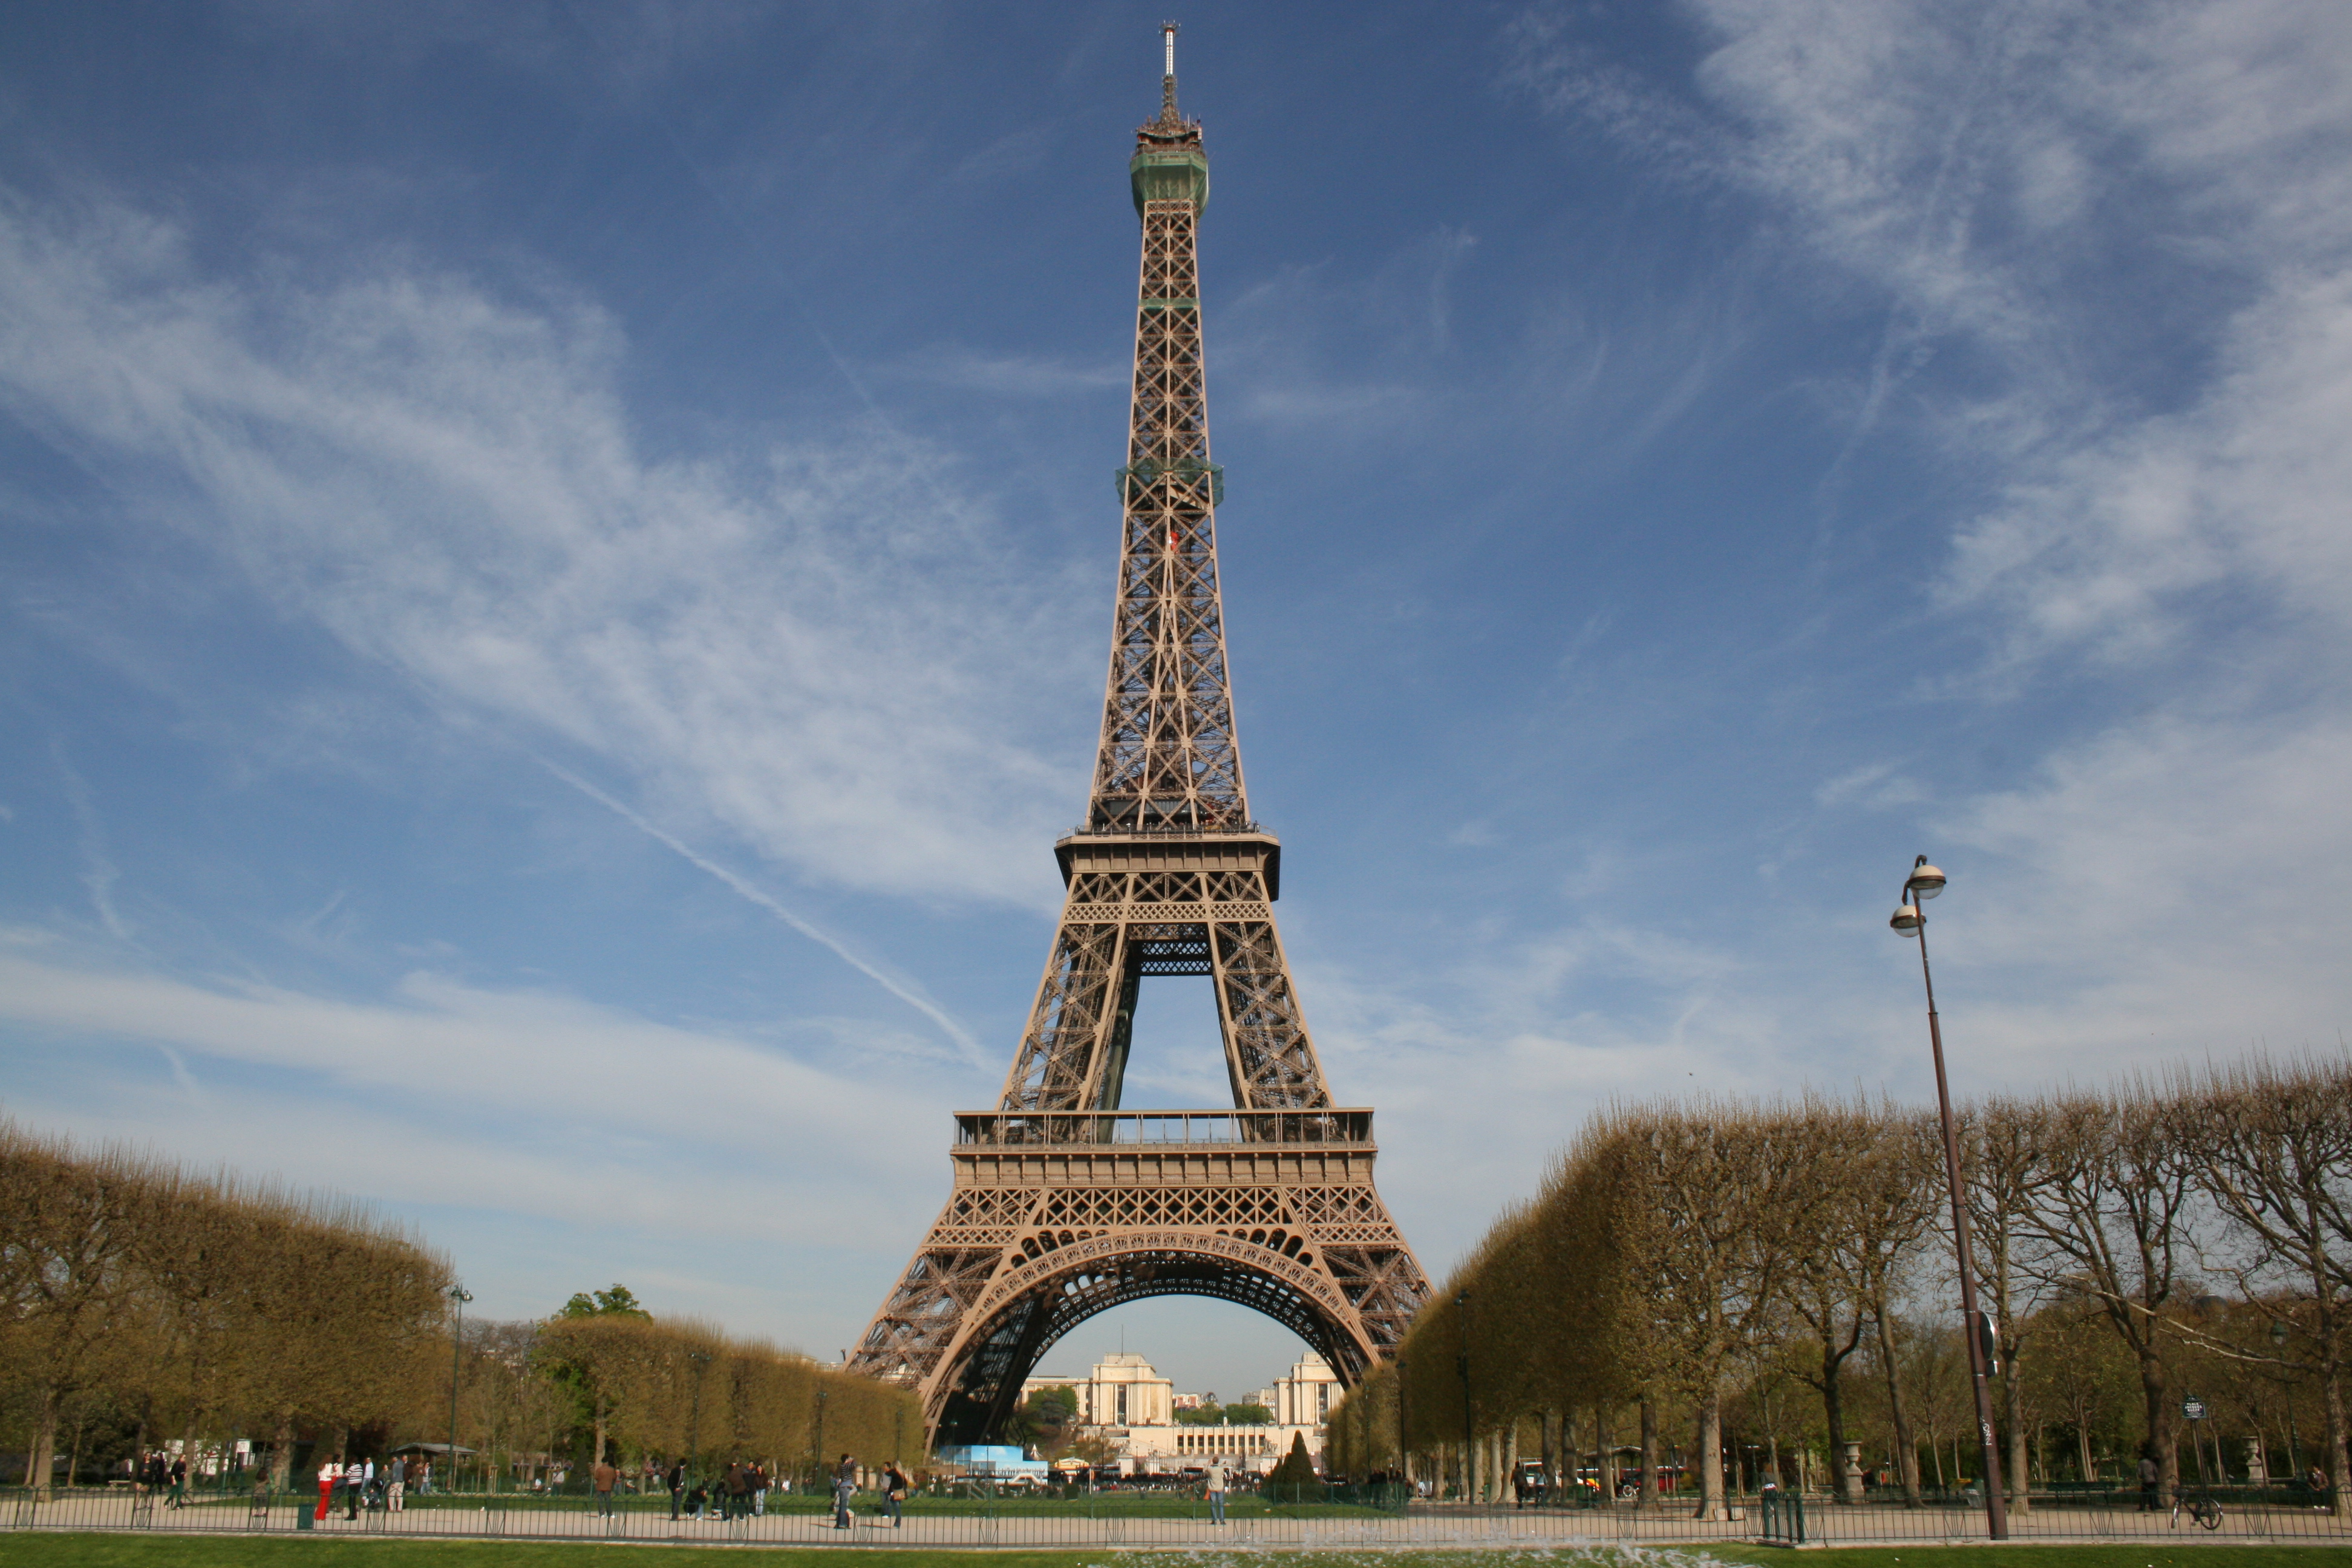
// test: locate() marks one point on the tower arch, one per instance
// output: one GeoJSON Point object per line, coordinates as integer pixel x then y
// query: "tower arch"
{"type": "Point", "coordinates": [1030, 1308]}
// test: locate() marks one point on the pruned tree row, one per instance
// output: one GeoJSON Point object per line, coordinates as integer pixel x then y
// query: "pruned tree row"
{"type": "Point", "coordinates": [1789, 1266]}
{"type": "Point", "coordinates": [195, 1304]}
{"type": "Point", "coordinates": [141, 1303]}
{"type": "Point", "coordinates": [638, 1387]}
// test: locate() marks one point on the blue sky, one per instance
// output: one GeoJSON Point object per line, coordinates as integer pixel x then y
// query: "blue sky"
{"type": "Point", "coordinates": [557, 559]}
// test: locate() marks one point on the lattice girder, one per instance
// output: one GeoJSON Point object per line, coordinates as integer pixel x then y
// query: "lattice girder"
{"type": "Point", "coordinates": [1169, 755]}
{"type": "Point", "coordinates": [1066, 1205]}
{"type": "Point", "coordinates": [1034, 1239]}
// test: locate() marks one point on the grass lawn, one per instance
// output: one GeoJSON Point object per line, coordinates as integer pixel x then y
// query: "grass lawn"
{"type": "Point", "coordinates": [32, 1549]}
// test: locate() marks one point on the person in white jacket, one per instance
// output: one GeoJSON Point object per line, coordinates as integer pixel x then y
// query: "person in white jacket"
{"type": "Point", "coordinates": [1215, 1480]}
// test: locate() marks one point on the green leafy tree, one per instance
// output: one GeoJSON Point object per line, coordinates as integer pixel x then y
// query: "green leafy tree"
{"type": "Point", "coordinates": [1296, 1468]}
{"type": "Point", "coordinates": [1248, 1415]}
{"type": "Point", "coordinates": [1045, 1419]}
{"type": "Point", "coordinates": [617, 1302]}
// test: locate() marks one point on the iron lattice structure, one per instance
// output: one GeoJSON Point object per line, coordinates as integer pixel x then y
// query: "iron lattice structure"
{"type": "Point", "coordinates": [1064, 1205]}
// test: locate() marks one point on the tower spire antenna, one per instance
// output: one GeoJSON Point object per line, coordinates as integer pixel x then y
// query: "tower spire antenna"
{"type": "Point", "coordinates": [1167, 76]}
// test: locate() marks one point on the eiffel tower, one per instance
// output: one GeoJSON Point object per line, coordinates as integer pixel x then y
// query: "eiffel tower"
{"type": "Point", "coordinates": [1066, 1204]}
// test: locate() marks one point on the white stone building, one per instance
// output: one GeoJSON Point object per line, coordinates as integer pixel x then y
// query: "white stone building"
{"type": "Point", "coordinates": [1125, 1400]}
{"type": "Point", "coordinates": [1122, 1390]}
{"type": "Point", "coordinates": [1304, 1398]}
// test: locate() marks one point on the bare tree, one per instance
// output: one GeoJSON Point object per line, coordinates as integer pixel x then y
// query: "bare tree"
{"type": "Point", "coordinates": [2112, 1203]}
{"type": "Point", "coordinates": [1709, 1197]}
{"type": "Point", "coordinates": [2001, 1145]}
{"type": "Point", "coordinates": [1868, 1199]}
{"type": "Point", "coordinates": [1894, 1215]}
{"type": "Point", "coordinates": [2272, 1146]}
{"type": "Point", "coordinates": [65, 1274]}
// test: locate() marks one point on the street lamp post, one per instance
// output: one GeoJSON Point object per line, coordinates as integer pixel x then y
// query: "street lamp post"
{"type": "Point", "coordinates": [1462, 1366]}
{"type": "Point", "coordinates": [1923, 883]}
{"type": "Point", "coordinates": [459, 1295]}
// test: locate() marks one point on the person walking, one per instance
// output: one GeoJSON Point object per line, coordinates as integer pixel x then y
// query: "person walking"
{"type": "Point", "coordinates": [603, 1476]}
{"type": "Point", "coordinates": [354, 1482]}
{"type": "Point", "coordinates": [759, 1479]}
{"type": "Point", "coordinates": [845, 1487]}
{"type": "Point", "coordinates": [395, 1486]}
{"type": "Point", "coordinates": [179, 1474]}
{"type": "Point", "coordinates": [331, 1476]}
{"type": "Point", "coordinates": [1215, 1482]}
{"type": "Point", "coordinates": [676, 1481]}
{"type": "Point", "coordinates": [895, 1487]}
{"type": "Point", "coordinates": [2151, 1477]}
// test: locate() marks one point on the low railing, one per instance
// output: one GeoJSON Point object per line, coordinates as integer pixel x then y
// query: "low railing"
{"type": "Point", "coordinates": [1782, 1515]}
{"type": "Point", "coordinates": [1166, 1129]}
{"type": "Point", "coordinates": [1319, 1517]}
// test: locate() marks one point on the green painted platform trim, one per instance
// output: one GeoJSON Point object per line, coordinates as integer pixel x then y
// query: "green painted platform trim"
{"type": "Point", "coordinates": [1169, 174]}
{"type": "Point", "coordinates": [1146, 473]}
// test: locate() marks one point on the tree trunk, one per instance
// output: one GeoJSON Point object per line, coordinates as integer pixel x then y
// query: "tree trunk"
{"type": "Point", "coordinates": [2020, 1478]}
{"type": "Point", "coordinates": [1906, 1448]}
{"type": "Point", "coordinates": [1710, 1458]}
{"type": "Point", "coordinates": [281, 1452]}
{"type": "Point", "coordinates": [1649, 1454]}
{"type": "Point", "coordinates": [43, 1460]}
{"type": "Point", "coordinates": [2333, 1390]}
{"type": "Point", "coordinates": [139, 1438]}
{"type": "Point", "coordinates": [1833, 1413]}
{"type": "Point", "coordinates": [2162, 1435]}
{"type": "Point", "coordinates": [73, 1459]}
{"type": "Point", "coordinates": [2082, 1448]}
{"type": "Point", "coordinates": [1607, 1462]}
{"type": "Point", "coordinates": [188, 1438]}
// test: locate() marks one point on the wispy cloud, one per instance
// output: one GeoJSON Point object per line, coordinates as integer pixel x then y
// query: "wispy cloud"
{"type": "Point", "coordinates": [514, 1102]}
{"type": "Point", "coordinates": [2112, 261]}
{"type": "Point", "coordinates": [98, 871]}
{"type": "Point", "coordinates": [816, 652]}
{"type": "Point", "coordinates": [1014, 375]}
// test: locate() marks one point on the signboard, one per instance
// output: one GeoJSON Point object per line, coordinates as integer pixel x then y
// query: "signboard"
{"type": "Point", "coordinates": [2193, 1407]}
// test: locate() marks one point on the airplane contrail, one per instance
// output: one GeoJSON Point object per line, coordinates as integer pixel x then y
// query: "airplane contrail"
{"type": "Point", "coordinates": [756, 895]}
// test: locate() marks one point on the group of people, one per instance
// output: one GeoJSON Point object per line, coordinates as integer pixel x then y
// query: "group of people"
{"type": "Point", "coordinates": [894, 1488]}
{"type": "Point", "coordinates": [349, 1483]}
{"type": "Point", "coordinates": [740, 1492]}
{"type": "Point", "coordinates": [156, 1474]}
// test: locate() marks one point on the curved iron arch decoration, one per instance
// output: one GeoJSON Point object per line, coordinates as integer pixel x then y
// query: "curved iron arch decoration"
{"type": "Point", "coordinates": [1064, 1286]}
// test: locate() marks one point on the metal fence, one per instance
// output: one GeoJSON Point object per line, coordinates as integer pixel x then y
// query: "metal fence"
{"type": "Point", "coordinates": [1169, 1520]}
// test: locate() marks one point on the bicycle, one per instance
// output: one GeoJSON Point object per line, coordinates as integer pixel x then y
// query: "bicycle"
{"type": "Point", "coordinates": [2201, 1506]}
